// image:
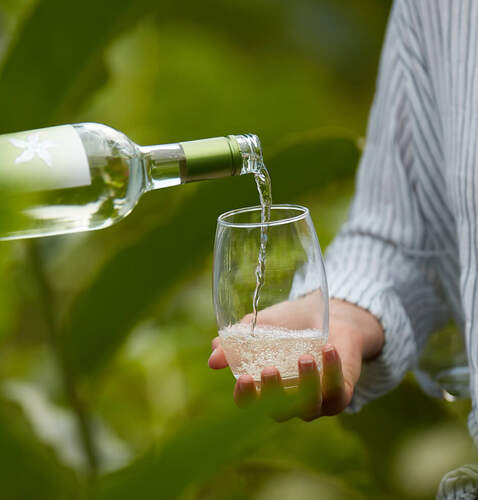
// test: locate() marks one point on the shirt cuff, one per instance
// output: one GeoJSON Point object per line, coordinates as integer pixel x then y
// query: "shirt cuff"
{"type": "Point", "coordinates": [386, 371]}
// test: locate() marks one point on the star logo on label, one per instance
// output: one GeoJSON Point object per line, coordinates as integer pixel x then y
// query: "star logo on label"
{"type": "Point", "coordinates": [32, 147]}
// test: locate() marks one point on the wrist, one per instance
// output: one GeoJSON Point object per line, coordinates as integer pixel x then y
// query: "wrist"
{"type": "Point", "coordinates": [361, 324]}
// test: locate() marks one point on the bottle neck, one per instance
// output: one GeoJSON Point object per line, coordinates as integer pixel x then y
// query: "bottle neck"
{"type": "Point", "coordinates": [172, 164]}
{"type": "Point", "coordinates": [251, 153]}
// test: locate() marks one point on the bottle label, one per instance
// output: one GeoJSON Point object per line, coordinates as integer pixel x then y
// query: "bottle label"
{"type": "Point", "coordinates": [48, 158]}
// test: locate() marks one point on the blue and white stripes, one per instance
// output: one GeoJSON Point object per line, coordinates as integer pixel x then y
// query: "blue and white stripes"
{"type": "Point", "coordinates": [409, 250]}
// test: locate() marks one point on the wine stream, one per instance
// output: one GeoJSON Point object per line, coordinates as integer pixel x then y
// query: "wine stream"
{"type": "Point", "coordinates": [263, 183]}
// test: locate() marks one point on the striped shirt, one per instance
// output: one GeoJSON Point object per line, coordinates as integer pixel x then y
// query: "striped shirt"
{"type": "Point", "coordinates": [409, 250]}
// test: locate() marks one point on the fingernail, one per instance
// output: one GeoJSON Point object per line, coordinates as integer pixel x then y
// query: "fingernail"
{"type": "Point", "coordinates": [307, 365]}
{"type": "Point", "coordinates": [243, 386]}
{"type": "Point", "coordinates": [329, 354]}
{"type": "Point", "coordinates": [271, 378]}
{"type": "Point", "coordinates": [270, 375]}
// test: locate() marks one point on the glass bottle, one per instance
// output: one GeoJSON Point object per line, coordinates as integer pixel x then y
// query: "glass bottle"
{"type": "Point", "coordinates": [88, 176]}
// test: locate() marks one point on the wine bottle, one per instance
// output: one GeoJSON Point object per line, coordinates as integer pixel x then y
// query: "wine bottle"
{"type": "Point", "coordinates": [88, 176]}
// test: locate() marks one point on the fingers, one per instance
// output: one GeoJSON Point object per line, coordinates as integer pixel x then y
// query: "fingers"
{"type": "Point", "coordinates": [309, 389]}
{"type": "Point", "coordinates": [271, 383]}
{"type": "Point", "coordinates": [335, 397]}
{"type": "Point", "coordinates": [327, 396]}
{"type": "Point", "coordinates": [217, 360]}
{"type": "Point", "coordinates": [245, 391]}
{"type": "Point", "coordinates": [271, 393]}
{"type": "Point", "coordinates": [273, 396]}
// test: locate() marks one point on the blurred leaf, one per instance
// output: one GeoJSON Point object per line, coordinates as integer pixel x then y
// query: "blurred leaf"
{"type": "Point", "coordinates": [169, 80]}
{"type": "Point", "coordinates": [420, 462]}
{"type": "Point", "coordinates": [11, 11]}
{"type": "Point", "coordinates": [330, 449]}
{"type": "Point", "coordinates": [54, 60]}
{"type": "Point", "coordinates": [8, 219]}
{"type": "Point", "coordinates": [417, 412]}
{"type": "Point", "coordinates": [299, 485]}
{"type": "Point", "coordinates": [57, 427]}
{"type": "Point", "coordinates": [138, 275]}
{"type": "Point", "coordinates": [29, 470]}
{"type": "Point", "coordinates": [197, 452]}
{"type": "Point", "coordinates": [335, 34]}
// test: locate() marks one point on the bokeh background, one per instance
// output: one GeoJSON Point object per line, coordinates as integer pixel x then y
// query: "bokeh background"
{"type": "Point", "coordinates": [104, 337]}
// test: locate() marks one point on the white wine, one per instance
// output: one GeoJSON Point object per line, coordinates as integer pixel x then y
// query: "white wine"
{"type": "Point", "coordinates": [248, 352]}
{"type": "Point", "coordinates": [88, 176]}
{"type": "Point", "coordinates": [264, 187]}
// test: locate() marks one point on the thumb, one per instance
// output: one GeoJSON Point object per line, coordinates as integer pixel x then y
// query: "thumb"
{"type": "Point", "coordinates": [217, 360]}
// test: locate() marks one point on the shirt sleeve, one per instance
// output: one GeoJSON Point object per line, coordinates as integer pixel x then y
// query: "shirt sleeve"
{"type": "Point", "coordinates": [382, 258]}
{"type": "Point", "coordinates": [459, 484]}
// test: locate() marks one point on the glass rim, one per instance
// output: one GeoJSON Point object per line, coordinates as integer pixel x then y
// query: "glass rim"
{"type": "Point", "coordinates": [304, 213]}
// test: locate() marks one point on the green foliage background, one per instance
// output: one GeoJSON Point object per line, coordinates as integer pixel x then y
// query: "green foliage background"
{"type": "Point", "coordinates": [104, 337]}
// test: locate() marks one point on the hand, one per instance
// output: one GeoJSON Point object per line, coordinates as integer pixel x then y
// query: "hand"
{"type": "Point", "coordinates": [355, 335]}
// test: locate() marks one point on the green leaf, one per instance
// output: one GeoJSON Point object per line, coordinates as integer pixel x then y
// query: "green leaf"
{"type": "Point", "coordinates": [54, 60]}
{"type": "Point", "coordinates": [194, 454]}
{"type": "Point", "coordinates": [417, 412]}
{"type": "Point", "coordinates": [140, 274]}
{"type": "Point", "coordinates": [28, 468]}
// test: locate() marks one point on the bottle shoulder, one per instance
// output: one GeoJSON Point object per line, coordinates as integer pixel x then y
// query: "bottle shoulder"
{"type": "Point", "coordinates": [100, 138]}
{"type": "Point", "coordinates": [114, 156]}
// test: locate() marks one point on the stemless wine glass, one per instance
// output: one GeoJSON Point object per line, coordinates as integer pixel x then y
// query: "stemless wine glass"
{"type": "Point", "coordinates": [292, 307]}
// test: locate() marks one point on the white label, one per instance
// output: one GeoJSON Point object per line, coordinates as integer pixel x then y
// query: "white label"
{"type": "Point", "coordinates": [48, 158]}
